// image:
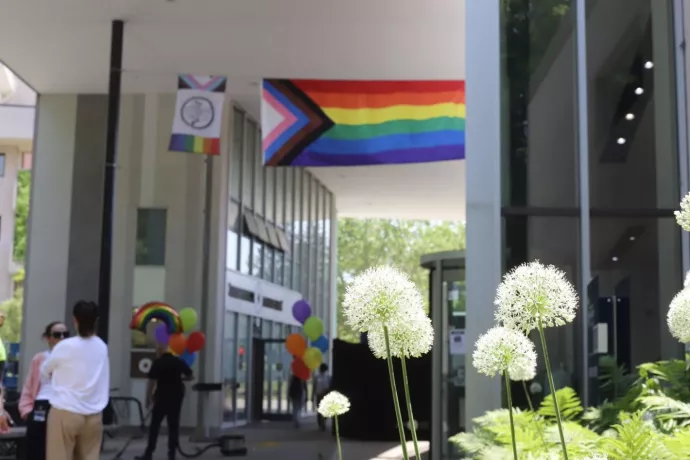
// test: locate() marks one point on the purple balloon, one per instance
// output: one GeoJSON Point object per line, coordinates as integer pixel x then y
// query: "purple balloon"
{"type": "Point", "coordinates": [161, 334]}
{"type": "Point", "coordinates": [301, 311]}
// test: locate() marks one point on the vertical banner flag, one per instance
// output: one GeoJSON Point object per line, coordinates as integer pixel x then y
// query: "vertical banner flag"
{"type": "Point", "coordinates": [198, 113]}
{"type": "Point", "coordinates": [350, 123]}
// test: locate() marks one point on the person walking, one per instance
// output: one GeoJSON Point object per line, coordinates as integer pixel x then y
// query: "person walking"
{"type": "Point", "coordinates": [34, 402]}
{"type": "Point", "coordinates": [165, 393]}
{"type": "Point", "coordinates": [78, 369]}
{"type": "Point", "coordinates": [322, 385]}
{"type": "Point", "coordinates": [297, 392]}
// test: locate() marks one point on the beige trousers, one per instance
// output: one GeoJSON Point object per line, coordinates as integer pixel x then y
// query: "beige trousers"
{"type": "Point", "coordinates": [72, 436]}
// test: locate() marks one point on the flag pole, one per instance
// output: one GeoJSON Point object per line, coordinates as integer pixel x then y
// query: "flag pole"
{"type": "Point", "coordinates": [112, 122]}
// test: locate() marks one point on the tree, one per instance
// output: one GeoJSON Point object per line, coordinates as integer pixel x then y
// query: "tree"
{"type": "Point", "coordinates": [363, 243]}
{"type": "Point", "coordinates": [12, 329]}
{"type": "Point", "coordinates": [21, 214]}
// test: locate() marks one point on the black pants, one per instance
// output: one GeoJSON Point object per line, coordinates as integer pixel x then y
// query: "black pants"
{"type": "Point", "coordinates": [169, 408]}
{"type": "Point", "coordinates": [36, 431]}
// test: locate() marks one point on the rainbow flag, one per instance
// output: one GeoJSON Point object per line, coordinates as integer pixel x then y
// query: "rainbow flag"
{"type": "Point", "coordinates": [350, 123]}
{"type": "Point", "coordinates": [198, 114]}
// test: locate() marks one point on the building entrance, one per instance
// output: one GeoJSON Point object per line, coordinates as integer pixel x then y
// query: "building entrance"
{"type": "Point", "coordinates": [270, 374]}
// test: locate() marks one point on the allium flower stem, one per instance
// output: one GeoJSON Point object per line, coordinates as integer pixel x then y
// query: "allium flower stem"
{"type": "Point", "coordinates": [394, 391]}
{"type": "Point", "coordinates": [529, 396]}
{"type": "Point", "coordinates": [510, 412]}
{"type": "Point", "coordinates": [413, 428]}
{"type": "Point", "coordinates": [337, 437]}
{"type": "Point", "coordinates": [547, 363]}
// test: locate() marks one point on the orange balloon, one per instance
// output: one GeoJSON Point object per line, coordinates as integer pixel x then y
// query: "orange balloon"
{"type": "Point", "coordinates": [177, 343]}
{"type": "Point", "coordinates": [296, 345]}
{"type": "Point", "coordinates": [300, 370]}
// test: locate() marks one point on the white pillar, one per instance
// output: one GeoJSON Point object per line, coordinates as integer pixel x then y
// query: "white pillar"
{"type": "Point", "coordinates": [483, 144]}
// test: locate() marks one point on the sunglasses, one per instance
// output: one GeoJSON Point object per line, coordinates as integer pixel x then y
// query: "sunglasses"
{"type": "Point", "coordinates": [59, 335]}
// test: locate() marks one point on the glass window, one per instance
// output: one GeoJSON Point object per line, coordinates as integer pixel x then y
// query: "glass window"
{"type": "Point", "coordinates": [243, 338]}
{"type": "Point", "coordinates": [305, 237]}
{"type": "Point", "coordinates": [637, 265]}
{"type": "Point", "coordinates": [327, 258]}
{"type": "Point", "coordinates": [632, 107]}
{"type": "Point", "coordinates": [297, 231]}
{"type": "Point", "coordinates": [537, 243]}
{"type": "Point", "coordinates": [229, 366]}
{"type": "Point", "coordinates": [151, 232]}
{"type": "Point", "coordinates": [288, 225]}
{"type": "Point", "coordinates": [257, 257]}
{"type": "Point", "coordinates": [234, 229]}
{"type": "Point", "coordinates": [539, 157]}
{"type": "Point", "coordinates": [321, 253]}
{"type": "Point", "coordinates": [280, 196]}
{"type": "Point", "coordinates": [314, 245]}
{"type": "Point", "coordinates": [2, 165]}
{"type": "Point", "coordinates": [259, 173]}
{"type": "Point", "coordinates": [236, 154]}
{"type": "Point", "coordinates": [245, 247]}
{"type": "Point", "coordinates": [270, 180]}
{"type": "Point", "coordinates": [248, 164]}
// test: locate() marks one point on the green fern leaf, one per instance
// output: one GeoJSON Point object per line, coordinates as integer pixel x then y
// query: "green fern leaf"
{"type": "Point", "coordinates": [568, 402]}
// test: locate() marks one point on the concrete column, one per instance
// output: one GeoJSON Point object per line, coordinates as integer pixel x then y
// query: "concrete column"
{"type": "Point", "coordinates": [64, 223]}
{"type": "Point", "coordinates": [483, 63]}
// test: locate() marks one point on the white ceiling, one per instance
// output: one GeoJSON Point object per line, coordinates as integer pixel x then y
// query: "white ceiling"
{"type": "Point", "coordinates": [63, 46]}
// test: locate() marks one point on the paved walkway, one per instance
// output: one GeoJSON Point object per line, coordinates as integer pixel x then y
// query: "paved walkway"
{"type": "Point", "coordinates": [271, 441]}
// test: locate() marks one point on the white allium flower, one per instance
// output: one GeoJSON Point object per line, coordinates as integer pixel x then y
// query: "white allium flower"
{"type": "Point", "coordinates": [533, 292]}
{"type": "Point", "coordinates": [679, 316]}
{"type": "Point", "coordinates": [334, 404]}
{"type": "Point", "coordinates": [410, 338]}
{"type": "Point", "coordinates": [502, 349]}
{"type": "Point", "coordinates": [380, 296]}
{"type": "Point", "coordinates": [683, 216]}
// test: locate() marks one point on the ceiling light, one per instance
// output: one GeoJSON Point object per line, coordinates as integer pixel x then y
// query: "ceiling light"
{"type": "Point", "coordinates": [621, 140]}
{"type": "Point", "coordinates": [648, 65]}
{"type": "Point", "coordinates": [614, 258]}
{"type": "Point", "coordinates": [632, 238]}
{"type": "Point", "coordinates": [630, 116]}
{"type": "Point", "coordinates": [639, 91]}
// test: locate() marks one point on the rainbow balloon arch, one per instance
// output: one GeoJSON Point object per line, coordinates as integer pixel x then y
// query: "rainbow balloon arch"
{"type": "Point", "coordinates": [307, 357]}
{"type": "Point", "coordinates": [172, 328]}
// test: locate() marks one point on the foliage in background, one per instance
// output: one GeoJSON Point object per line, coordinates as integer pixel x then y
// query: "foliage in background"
{"type": "Point", "coordinates": [21, 214]}
{"type": "Point", "coordinates": [11, 331]}
{"type": "Point", "coordinates": [363, 243]}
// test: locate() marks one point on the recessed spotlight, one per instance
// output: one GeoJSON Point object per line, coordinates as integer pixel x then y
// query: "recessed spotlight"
{"type": "Point", "coordinates": [639, 91]}
{"type": "Point", "coordinates": [630, 116]}
{"type": "Point", "coordinates": [614, 258]}
{"type": "Point", "coordinates": [621, 140]}
{"type": "Point", "coordinates": [648, 65]}
{"type": "Point", "coordinates": [632, 238]}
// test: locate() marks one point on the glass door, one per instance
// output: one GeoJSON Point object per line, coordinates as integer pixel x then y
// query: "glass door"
{"type": "Point", "coordinates": [229, 367]}
{"type": "Point", "coordinates": [268, 380]}
{"type": "Point", "coordinates": [242, 394]}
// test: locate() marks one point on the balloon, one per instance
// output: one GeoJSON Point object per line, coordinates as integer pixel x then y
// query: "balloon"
{"type": "Point", "coordinates": [188, 317]}
{"type": "Point", "coordinates": [161, 334]}
{"type": "Point", "coordinates": [312, 358]}
{"type": "Point", "coordinates": [301, 310]}
{"type": "Point", "coordinates": [296, 345]}
{"type": "Point", "coordinates": [196, 341]}
{"type": "Point", "coordinates": [321, 343]}
{"type": "Point", "coordinates": [313, 327]}
{"type": "Point", "coordinates": [188, 357]}
{"type": "Point", "coordinates": [300, 370]}
{"type": "Point", "coordinates": [177, 343]}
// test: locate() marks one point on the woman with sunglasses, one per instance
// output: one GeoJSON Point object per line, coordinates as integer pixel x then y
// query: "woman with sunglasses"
{"type": "Point", "coordinates": [33, 403]}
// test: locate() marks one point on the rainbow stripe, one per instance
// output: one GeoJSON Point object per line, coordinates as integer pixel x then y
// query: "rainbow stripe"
{"type": "Point", "coordinates": [347, 123]}
{"type": "Point", "coordinates": [156, 310]}
{"type": "Point", "coordinates": [194, 144]}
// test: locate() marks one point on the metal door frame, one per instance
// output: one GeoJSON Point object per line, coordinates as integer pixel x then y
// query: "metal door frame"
{"type": "Point", "coordinates": [257, 388]}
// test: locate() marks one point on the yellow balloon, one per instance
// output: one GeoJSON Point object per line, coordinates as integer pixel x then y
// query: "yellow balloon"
{"type": "Point", "coordinates": [312, 358]}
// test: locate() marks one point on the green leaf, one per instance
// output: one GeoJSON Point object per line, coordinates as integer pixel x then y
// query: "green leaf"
{"type": "Point", "coordinates": [568, 402]}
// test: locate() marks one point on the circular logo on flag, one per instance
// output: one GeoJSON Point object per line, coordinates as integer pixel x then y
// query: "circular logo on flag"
{"type": "Point", "coordinates": [145, 365]}
{"type": "Point", "coordinates": [197, 112]}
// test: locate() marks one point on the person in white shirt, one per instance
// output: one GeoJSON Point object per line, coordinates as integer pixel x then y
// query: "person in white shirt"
{"type": "Point", "coordinates": [79, 372]}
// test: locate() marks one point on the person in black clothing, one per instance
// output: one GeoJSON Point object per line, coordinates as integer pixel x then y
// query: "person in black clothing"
{"type": "Point", "coordinates": [165, 393]}
{"type": "Point", "coordinates": [297, 392]}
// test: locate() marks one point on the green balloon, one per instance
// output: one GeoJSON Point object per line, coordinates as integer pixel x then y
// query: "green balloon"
{"type": "Point", "coordinates": [312, 358]}
{"type": "Point", "coordinates": [313, 328]}
{"type": "Point", "coordinates": [188, 317]}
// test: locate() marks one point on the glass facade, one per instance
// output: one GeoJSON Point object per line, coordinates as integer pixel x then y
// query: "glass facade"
{"type": "Point", "coordinates": [630, 245]}
{"type": "Point", "coordinates": [278, 230]}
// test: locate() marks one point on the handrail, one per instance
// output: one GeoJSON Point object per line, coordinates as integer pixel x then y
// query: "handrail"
{"type": "Point", "coordinates": [140, 408]}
